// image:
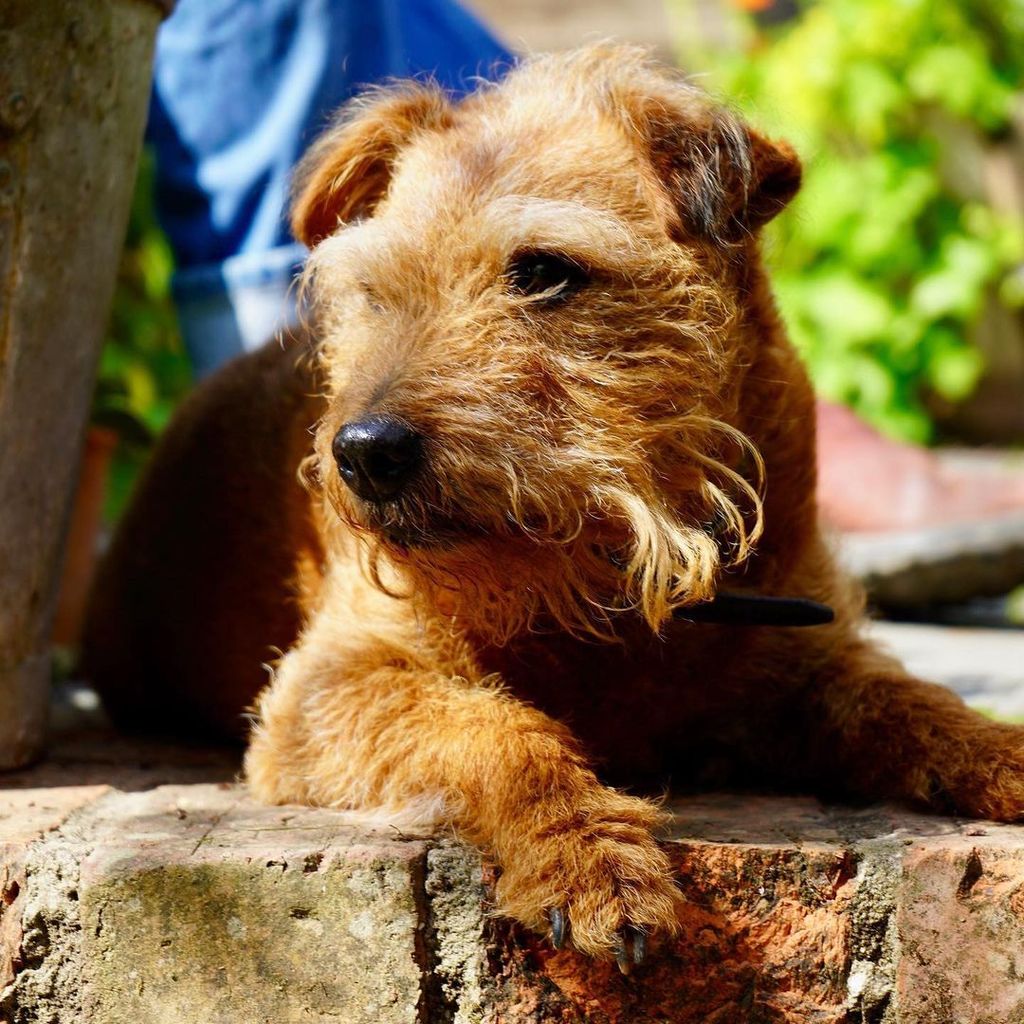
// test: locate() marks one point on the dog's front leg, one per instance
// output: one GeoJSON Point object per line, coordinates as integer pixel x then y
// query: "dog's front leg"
{"type": "Point", "coordinates": [880, 733]}
{"type": "Point", "coordinates": [354, 722]}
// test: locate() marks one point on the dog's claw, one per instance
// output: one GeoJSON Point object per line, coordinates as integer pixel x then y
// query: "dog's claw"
{"type": "Point", "coordinates": [632, 948]}
{"type": "Point", "coordinates": [639, 944]}
{"type": "Point", "coordinates": [557, 918]}
{"type": "Point", "coordinates": [622, 959]}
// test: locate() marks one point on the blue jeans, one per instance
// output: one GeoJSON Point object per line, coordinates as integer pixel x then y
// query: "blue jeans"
{"type": "Point", "coordinates": [241, 88]}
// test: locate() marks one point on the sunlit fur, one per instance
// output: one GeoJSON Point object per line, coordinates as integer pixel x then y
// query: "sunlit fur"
{"type": "Point", "coordinates": [593, 464]}
{"type": "Point", "coordinates": [579, 463]}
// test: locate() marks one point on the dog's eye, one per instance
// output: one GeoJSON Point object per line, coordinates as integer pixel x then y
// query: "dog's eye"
{"type": "Point", "coordinates": [545, 274]}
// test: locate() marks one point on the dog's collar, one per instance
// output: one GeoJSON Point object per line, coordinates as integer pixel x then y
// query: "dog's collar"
{"type": "Point", "coordinates": [758, 610]}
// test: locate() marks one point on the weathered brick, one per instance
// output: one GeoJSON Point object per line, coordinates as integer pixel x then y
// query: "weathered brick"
{"type": "Point", "coordinates": [25, 815]}
{"type": "Point", "coordinates": [767, 931]}
{"type": "Point", "coordinates": [191, 904]}
{"type": "Point", "coordinates": [961, 927]}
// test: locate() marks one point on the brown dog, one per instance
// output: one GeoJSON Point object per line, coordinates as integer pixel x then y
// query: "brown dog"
{"type": "Point", "coordinates": [559, 408]}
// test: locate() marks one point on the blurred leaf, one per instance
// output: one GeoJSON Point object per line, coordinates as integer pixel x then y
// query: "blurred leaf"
{"type": "Point", "coordinates": [956, 373]}
{"type": "Point", "coordinates": [845, 308]}
{"type": "Point", "coordinates": [956, 287]}
{"type": "Point", "coordinates": [1015, 606]}
{"type": "Point", "coordinates": [143, 369]}
{"type": "Point", "coordinates": [881, 266]}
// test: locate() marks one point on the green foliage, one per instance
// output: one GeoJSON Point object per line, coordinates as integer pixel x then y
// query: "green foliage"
{"type": "Point", "coordinates": [143, 370]}
{"type": "Point", "coordinates": [883, 263]}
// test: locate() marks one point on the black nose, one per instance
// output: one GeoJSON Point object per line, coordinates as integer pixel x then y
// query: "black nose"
{"type": "Point", "coordinates": [377, 456]}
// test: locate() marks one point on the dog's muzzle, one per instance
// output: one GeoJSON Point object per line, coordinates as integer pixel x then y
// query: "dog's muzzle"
{"type": "Point", "coordinates": [377, 456]}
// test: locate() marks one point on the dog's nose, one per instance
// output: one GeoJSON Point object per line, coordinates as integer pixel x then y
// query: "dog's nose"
{"type": "Point", "coordinates": [377, 456]}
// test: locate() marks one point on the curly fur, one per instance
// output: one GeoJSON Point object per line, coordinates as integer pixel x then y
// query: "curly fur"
{"type": "Point", "coordinates": [666, 504]}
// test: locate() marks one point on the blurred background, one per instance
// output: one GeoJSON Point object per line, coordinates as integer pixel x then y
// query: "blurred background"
{"type": "Point", "coordinates": [899, 268]}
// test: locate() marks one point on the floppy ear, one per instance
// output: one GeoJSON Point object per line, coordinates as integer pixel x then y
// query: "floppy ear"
{"type": "Point", "coordinates": [775, 179]}
{"type": "Point", "coordinates": [725, 180]}
{"type": "Point", "coordinates": [346, 172]}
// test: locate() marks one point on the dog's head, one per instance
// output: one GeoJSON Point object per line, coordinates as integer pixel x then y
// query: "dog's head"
{"type": "Point", "coordinates": [529, 308]}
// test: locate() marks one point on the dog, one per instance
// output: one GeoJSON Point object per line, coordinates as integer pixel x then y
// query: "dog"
{"type": "Point", "coordinates": [550, 417]}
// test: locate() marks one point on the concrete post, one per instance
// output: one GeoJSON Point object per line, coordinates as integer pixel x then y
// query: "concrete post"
{"type": "Point", "coordinates": [74, 86]}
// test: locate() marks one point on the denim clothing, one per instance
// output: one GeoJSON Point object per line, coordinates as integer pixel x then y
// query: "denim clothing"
{"type": "Point", "coordinates": [241, 88]}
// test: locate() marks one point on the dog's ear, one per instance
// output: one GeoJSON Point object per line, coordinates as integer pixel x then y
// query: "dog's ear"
{"type": "Point", "coordinates": [346, 172]}
{"type": "Point", "coordinates": [724, 179]}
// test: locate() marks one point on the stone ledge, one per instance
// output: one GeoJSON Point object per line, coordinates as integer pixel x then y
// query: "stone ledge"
{"type": "Point", "coordinates": [938, 564]}
{"type": "Point", "coordinates": [190, 904]}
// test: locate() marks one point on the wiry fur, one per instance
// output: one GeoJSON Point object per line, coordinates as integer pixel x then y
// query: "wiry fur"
{"type": "Point", "coordinates": [591, 468]}
{"type": "Point", "coordinates": [665, 504]}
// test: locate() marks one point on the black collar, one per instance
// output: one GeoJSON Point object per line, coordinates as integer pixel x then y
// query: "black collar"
{"type": "Point", "coordinates": [758, 610]}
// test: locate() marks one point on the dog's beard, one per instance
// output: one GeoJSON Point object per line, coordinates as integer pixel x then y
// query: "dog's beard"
{"type": "Point", "coordinates": [565, 559]}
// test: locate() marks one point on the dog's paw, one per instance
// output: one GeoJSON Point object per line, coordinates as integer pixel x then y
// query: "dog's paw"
{"type": "Point", "coordinates": [987, 780]}
{"type": "Point", "coordinates": [597, 881]}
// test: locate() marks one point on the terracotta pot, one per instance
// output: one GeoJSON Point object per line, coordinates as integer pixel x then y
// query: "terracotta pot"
{"type": "Point", "coordinates": [82, 548]}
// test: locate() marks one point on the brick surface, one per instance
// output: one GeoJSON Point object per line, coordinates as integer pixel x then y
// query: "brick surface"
{"type": "Point", "coordinates": [770, 926]}
{"type": "Point", "coordinates": [197, 905]}
{"type": "Point", "coordinates": [801, 913]}
{"type": "Point", "coordinates": [961, 925]}
{"type": "Point", "coordinates": [87, 761]}
{"type": "Point", "coordinates": [26, 815]}
{"type": "Point", "coordinates": [191, 904]}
